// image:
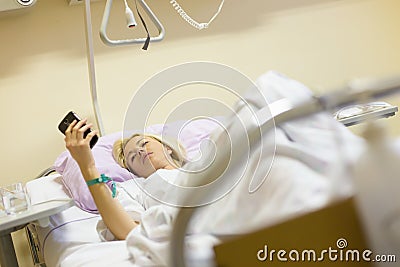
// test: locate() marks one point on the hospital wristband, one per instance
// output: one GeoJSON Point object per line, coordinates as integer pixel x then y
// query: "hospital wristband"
{"type": "Point", "coordinates": [103, 179]}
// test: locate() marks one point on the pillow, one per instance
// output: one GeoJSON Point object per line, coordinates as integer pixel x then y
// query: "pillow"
{"type": "Point", "coordinates": [191, 135]}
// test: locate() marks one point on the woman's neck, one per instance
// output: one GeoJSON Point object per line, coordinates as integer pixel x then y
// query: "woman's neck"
{"type": "Point", "coordinates": [169, 167]}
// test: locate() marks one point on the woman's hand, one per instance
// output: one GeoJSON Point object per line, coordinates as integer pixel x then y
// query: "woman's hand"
{"type": "Point", "coordinates": [78, 146]}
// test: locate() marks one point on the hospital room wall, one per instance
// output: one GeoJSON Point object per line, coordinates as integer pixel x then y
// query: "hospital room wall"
{"type": "Point", "coordinates": [43, 70]}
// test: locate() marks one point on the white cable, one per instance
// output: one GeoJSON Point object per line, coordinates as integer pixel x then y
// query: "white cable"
{"type": "Point", "coordinates": [191, 21]}
{"type": "Point", "coordinates": [130, 18]}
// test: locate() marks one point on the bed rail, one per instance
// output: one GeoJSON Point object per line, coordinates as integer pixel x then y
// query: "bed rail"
{"type": "Point", "coordinates": [46, 172]}
{"type": "Point", "coordinates": [31, 232]}
{"type": "Point", "coordinates": [353, 93]}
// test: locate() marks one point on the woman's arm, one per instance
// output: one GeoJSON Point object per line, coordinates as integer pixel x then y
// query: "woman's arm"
{"type": "Point", "coordinates": [111, 211]}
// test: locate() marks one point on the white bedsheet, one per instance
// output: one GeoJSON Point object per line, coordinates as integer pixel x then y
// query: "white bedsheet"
{"type": "Point", "coordinates": [71, 238]}
{"type": "Point", "coordinates": [76, 238]}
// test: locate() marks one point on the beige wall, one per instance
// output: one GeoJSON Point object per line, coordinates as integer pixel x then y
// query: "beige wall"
{"type": "Point", "coordinates": [43, 70]}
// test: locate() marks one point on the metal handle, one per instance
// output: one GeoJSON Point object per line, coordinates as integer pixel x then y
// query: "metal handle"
{"type": "Point", "coordinates": [103, 28]}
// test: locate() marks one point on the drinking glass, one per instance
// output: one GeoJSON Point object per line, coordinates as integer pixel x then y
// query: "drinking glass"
{"type": "Point", "coordinates": [15, 199]}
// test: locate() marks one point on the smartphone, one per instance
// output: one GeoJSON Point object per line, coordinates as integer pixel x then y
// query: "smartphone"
{"type": "Point", "coordinates": [68, 119]}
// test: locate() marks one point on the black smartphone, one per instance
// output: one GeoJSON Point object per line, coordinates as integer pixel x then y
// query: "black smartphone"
{"type": "Point", "coordinates": [68, 119]}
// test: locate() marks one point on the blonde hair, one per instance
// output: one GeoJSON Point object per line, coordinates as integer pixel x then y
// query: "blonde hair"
{"type": "Point", "coordinates": [177, 155]}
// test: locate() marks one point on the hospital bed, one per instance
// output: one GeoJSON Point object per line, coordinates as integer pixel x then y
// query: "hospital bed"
{"type": "Point", "coordinates": [71, 238]}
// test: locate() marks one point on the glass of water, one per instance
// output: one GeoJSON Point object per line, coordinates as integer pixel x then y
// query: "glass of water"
{"type": "Point", "coordinates": [2, 211]}
{"type": "Point", "coordinates": [15, 199]}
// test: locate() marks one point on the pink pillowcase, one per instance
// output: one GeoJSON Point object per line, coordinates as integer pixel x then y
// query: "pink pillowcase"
{"type": "Point", "coordinates": [190, 137]}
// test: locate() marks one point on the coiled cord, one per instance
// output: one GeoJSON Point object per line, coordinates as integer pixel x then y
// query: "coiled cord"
{"type": "Point", "coordinates": [190, 20]}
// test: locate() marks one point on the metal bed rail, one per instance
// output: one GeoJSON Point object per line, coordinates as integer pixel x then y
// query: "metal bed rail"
{"type": "Point", "coordinates": [354, 93]}
{"type": "Point", "coordinates": [31, 232]}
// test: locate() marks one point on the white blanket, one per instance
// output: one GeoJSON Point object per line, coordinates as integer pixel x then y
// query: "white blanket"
{"type": "Point", "coordinates": [147, 244]}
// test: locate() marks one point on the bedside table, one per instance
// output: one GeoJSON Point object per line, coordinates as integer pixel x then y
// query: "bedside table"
{"type": "Point", "coordinates": [37, 213]}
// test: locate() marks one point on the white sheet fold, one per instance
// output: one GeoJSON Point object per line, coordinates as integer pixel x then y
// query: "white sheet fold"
{"type": "Point", "coordinates": [47, 188]}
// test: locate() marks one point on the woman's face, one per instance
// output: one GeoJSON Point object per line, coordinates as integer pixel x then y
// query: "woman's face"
{"type": "Point", "coordinates": [144, 155]}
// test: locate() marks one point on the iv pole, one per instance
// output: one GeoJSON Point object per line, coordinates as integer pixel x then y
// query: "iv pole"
{"type": "Point", "coordinates": [91, 66]}
{"type": "Point", "coordinates": [108, 41]}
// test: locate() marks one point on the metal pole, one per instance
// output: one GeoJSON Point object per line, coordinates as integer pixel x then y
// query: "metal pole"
{"type": "Point", "coordinates": [91, 67]}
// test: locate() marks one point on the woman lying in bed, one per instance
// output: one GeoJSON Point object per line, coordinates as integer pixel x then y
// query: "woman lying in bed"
{"type": "Point", "coordinates": [307, 174]}
{"type": "Point", "coordinates": [141, 154]}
